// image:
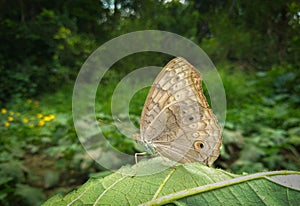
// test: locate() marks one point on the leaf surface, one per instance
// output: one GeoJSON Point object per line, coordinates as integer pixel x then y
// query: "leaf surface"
{"type": "Point", "coordinates": [190, 184]}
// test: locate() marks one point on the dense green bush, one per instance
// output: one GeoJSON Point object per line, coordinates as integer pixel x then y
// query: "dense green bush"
{"type": "Point", "coordinates": [264, 120]}
{"type": "Point", "coordinates": [39, 145]}
{"type": "Point", "coordinates": [41, 54]}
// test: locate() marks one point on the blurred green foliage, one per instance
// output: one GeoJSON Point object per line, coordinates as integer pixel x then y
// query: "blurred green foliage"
{"type": "Point", "coordinates": [255, 45]}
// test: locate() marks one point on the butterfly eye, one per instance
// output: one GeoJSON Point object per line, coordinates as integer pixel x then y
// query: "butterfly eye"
{"type": "Point", "coordinates": [198, 145]}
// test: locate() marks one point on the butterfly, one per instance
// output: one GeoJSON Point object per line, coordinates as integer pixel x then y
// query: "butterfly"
{"type": "Point", "coordinates": [176, 121]}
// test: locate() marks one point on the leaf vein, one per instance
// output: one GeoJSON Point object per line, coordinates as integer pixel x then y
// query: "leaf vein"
{"type": "Point", "coordinates": [107, 189]}
{"type": "Point", "coordinates": [163, 184]}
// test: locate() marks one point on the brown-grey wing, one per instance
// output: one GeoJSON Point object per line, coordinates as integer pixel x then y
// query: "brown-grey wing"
{"type": "Point", "coordinates": [196, 138]}
{"type": "Point", "coordinates": [176, 117]}
{"type": "Point", "coordinates": [160, 97]}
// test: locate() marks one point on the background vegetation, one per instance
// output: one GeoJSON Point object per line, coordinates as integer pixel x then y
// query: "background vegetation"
{"type": "Point", "coordinates": [254, 44]}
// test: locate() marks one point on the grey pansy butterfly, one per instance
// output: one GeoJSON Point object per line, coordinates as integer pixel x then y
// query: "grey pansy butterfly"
{"type": "Point", "coordinates": [176, 120]}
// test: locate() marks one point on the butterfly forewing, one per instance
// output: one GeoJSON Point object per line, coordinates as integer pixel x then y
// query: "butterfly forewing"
{"type": "Point", "coordinates": [176, 119]}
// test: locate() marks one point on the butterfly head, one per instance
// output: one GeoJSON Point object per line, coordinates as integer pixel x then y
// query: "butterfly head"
{"type": "Point", "coordinates": [149, 147]}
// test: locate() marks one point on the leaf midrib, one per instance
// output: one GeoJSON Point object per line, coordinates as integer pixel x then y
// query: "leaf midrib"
{"type": "Point", "coordinates": [205, 188]}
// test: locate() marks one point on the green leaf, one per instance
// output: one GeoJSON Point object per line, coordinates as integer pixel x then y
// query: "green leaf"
{"type": "Point", "coordinates": [190, 184]}
{"type": "Point", "coordinates": [30, 195]}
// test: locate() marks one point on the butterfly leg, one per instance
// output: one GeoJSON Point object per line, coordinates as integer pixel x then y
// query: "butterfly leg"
{"type": "Point", "coordinates": [138, 154]}
{"type": "Point", "coordinates": [136, 161]}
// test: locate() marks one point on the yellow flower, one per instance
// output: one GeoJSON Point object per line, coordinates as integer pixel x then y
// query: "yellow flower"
{"type": "Point", "coordinates": [52, 116]}
{"type": "Point", "coordinates": [3, 111]}
{"type": "Point", "coordinates": [39, 115]}
{"type": "Point", "coordinates": [46, 118]}
{"type": "Point", "coordinates": [41, 123]}
{"type": "Point", "coordinates": [30, 125]}
{"type": "Point", "coordinates": [10, 119]}
{"type": "Point", "coordinates": [49, 118]}
{"type": "Point", "coordinates": [6, 124]}
{"type": "Point", "coordinates": [18, 114]}
{"type": "Point", "coordinates": [11, 113]}
{"type": "Point", "coordinates": [29, 101]}
{"type": "Point", "coordinates": [25, 120]}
